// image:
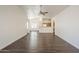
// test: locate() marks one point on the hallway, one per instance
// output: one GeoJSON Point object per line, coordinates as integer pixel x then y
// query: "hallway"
{"type": "Point", "coordinates": [36, 42]}
{"type": "Point", "coordinates": [39, 28]}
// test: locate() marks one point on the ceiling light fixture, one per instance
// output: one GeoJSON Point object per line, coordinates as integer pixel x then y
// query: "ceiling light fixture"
{"type": "Point", "coordinates": [41, 11]}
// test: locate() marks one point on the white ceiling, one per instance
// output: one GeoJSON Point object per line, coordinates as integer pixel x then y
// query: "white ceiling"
{"type": "Point", "coordinates": [33, 10]}
{"type": "Point", "coordinates": [53, 10]}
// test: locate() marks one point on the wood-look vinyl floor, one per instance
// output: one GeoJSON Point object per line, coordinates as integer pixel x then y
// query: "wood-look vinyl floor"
{"type": "Point", "coordinates": [37, 42]}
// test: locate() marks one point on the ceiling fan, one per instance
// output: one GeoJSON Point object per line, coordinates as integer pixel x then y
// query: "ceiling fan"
{"type": "Point", "coordinates": [42, 12]}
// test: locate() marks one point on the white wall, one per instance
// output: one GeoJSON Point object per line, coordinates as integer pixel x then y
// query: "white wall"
{"type": "Point", "coordinates": [67, 25]}
{"type": "Point", "coordinates": [12, 24]}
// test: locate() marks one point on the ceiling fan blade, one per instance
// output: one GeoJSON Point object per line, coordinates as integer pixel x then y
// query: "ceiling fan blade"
{"type": "Point", "coordinates": [46, 12]}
